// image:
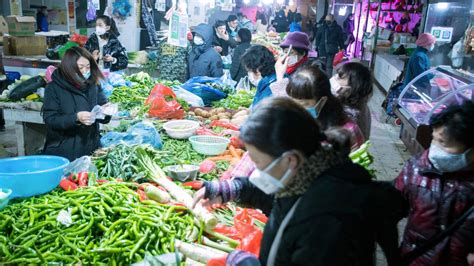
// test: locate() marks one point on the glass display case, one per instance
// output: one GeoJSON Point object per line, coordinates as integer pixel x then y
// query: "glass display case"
{"type": "Point", "coordinates": [426, 95]}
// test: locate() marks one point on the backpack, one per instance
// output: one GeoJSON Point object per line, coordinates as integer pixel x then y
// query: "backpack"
{"type": "Point", "coordinates": [393, 94]}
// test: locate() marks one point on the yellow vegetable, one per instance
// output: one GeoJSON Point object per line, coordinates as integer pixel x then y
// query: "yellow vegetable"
{"type": "Point", "coordinates": [32, 97]}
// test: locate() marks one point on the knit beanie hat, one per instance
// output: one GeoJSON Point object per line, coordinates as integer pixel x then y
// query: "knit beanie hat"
{"type": "Point", "coordinates": [297, 40]}
{"type": "Point", "coordinates": [425, 40]}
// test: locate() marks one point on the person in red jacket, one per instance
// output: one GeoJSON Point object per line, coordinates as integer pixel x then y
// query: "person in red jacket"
{"type": "Point", "coordinates": [439, 186]}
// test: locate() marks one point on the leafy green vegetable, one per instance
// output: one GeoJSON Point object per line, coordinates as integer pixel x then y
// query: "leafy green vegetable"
{"type": "Point", "coordinates": [241, 98]}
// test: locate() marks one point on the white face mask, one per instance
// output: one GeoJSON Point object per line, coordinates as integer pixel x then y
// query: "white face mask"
{"type": "Point", "coordinates": [252, 79]}
{"type": "Point", "coordinates": [447, 162]}
{"type": "Point", "coordinates": [292, 60]}
{"type": "Point", "coordinates": [266, 182]}
{"type": "Point", "coordinates": [198, 40]}
{"type": "Point", "coordinates": [100, 30]}
{"type": "Point", "coordinates": [336, 87]}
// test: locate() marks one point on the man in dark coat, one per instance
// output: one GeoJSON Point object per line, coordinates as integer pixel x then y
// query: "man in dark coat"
{"type": "Point", "coordinates": [329, 41]}
{"type": "Point", "coordinates": [63, 101]}
{"type": "Point", "coordinates": [237, 71]}
{"type": "Point", "coordinates": [203, 60]}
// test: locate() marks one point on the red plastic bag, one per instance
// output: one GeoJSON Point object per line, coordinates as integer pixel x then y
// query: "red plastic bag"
{"type": "Point", "coordinates": [79, 39]}
{"type": "Point", "coordinates": [163, 104]}
{"type": "Point", "coordinates": [338, 58]}
{"type": "Point", "coordinates": [224, 124]}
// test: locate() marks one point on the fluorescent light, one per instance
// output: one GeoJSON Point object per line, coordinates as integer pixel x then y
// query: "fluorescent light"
{"type": "Point", "coordinates": [442, 6]}
{"type": "Point", "coordinates": [291, 3]}
{"type": "Point", "coordinates": [246, 2]}
{"type": "Point", "coordinates": [342, 11]}
{"type": "Point", "coordinates": [267, 2]}
{"type": "Point", "coordinates": [280, 1]}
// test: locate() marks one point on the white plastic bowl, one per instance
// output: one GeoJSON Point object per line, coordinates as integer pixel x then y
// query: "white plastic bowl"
{"type": "Point", "coordinates": [181, 129]}
{"type": "Point", "coordinates": [209, 145]}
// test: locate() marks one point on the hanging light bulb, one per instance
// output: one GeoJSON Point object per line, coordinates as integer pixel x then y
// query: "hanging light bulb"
{"type": "Point", "coordinates": [342, 11]}
{"type": "Point", "coordinates": [267, 2]}
{"type": "Point", "coordinates": [246, 2]}
{"type": "Point", "coordinates": [280, 2]}
{"type": "Point", "coordinates": [291, 3]}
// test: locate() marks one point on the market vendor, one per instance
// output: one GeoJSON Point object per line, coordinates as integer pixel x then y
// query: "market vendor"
{"type": "Point", "coordinates": [439, 186]}
{"type": "Point", "coordinates": [260, 65]}
{"type": "Point", "coordinates": [104, 46]}
{"type": "Point", "coordinates": [319, 214]}
{"type": "Point", "coordinates": [203, 60]}
{"type": "Point", "coordinates": [419, 61]}
{"type": "Point", "coordinates": [72, 130]}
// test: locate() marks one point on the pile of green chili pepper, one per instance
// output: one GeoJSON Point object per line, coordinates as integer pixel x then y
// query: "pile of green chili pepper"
{"type": "Point", "coordinates": [109, 226]}
{"type": "Point", "coordinates": [233, 101]}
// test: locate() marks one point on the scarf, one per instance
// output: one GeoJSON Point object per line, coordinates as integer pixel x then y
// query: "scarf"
{"type": "Point", "coordinates": [322, 160]}
{"type": "Point", "coordinates": [291, 69]}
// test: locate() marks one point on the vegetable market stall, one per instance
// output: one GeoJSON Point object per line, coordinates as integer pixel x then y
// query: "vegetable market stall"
{"type": "Point", "coordinates": [132, 199]}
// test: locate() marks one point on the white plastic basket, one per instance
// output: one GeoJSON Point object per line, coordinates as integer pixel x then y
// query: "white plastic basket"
{"type": "Point", "coordinates": [181, 129]}
{"type": "Point", "coordinates": [209, 145]}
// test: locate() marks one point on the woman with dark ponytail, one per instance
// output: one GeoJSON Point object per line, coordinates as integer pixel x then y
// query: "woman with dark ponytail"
{"type": "Point", "coordinates": [105, 47]}
{"type": "Point", "coordinates": [323, 209]}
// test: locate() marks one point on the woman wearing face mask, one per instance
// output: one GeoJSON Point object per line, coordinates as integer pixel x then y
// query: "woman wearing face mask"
{"type": "Point", "coordinates": [439, 186]}
{"type": "Point", "coordinates": [104, 46]}
{"type": "Point", "coordinates": [352, 85]}
{"type": "Point", "coordinates": [311, 87]}
{"type": "Point", "coordinates": [203, 60]}
{"type": "Point", "coordinates": [419, 61]}
{"type": "Point", "coordinates": [260, 65]}
{"type": "Point", "coordinates": [318, 213]}
{"type": "Point", "coordinates": [72, 130]}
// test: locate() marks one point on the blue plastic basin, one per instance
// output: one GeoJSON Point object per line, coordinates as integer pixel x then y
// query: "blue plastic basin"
{"type": "Point", "coordinates": [31, 175]}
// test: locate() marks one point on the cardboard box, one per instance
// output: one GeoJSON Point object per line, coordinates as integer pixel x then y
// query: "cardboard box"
{"type": "Point", "coordinates": [21, 26]}
{"type": "Point", "coordinates": [31, 45]}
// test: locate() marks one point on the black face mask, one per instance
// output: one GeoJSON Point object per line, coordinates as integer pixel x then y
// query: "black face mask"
{"type": "Point", "coordinates": [328, 22]}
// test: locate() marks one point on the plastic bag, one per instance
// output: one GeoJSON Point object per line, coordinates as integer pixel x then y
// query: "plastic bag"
{"type": "Point", "coordinates": [191, 98]}
{"type": "Point", "coordinates": [90, 15]}
{"type": "Point", "coordinates": [49, 73]}
{"type": "Point", "coordinates": [245, 230]}
{"type": "Point", "coordinates": [163, 104]}
{"type": "Point", "coordinates": [140, 133]}
{"type": "Point", "coordinates": [79, 39]}
{"type": "Point", "coordinates": [227, 78]}
{"type": "Point", "coordinates": [244, 84]}
{"type": "Point", "coordinates": [338, 58]}
{"type": "Point", "coordinates": [26, 88]}
{"type": "Point", "coordinates": [82, 171]}
{"type": "Point", "coordinates": [207, 93]}
{"type": "Point", "coordinates": [65, 47]}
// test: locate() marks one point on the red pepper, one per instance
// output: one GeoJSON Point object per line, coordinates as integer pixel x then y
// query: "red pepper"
{"type": "Point", "coordinates": [228, 125]}
{"type": "Point", "coordinates": [83, 178]}
{"type": "Point", "coordinates": [237, 143]}
{"type": "Point", "coordinates": [142, 195]}
{"type": "Point", "coordinates": [73, 178]}
{"type": "Point", "coordinates": [194, 184]}
{"type": "Point", "coordinates": [67, 184]}
{"type": "Point", "coordinates": [102, 181]}
{"type": "Point", "coordinates": [205, 131]}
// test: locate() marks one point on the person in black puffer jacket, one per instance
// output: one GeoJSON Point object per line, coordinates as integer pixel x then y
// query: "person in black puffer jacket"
{"type": "Point", "coordinates": [105, 47]}
{"type": "Point", "coordinates": [68, 102]}
{"type": "Point", "coordinates": [329, 40]}
{"type": "Point", "coordinates": [323, 209]}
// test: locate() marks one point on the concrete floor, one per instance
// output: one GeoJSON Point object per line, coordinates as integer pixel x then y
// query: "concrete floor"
{"type": "Point", "coordinates": [388, 150]}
